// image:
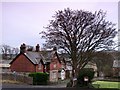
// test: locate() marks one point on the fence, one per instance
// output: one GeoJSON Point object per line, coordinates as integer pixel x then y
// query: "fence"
{"type": "Point", "coordinates": [20, 77]}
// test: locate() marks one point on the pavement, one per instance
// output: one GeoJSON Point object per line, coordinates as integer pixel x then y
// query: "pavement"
{"type": "Point", "coordinates": [60, 84]}
{"type": "Point", "coordinates": [8, 85]}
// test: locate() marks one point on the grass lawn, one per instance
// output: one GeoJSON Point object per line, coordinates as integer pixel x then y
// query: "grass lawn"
{"type": "Point", "coordinates": [106, 84]}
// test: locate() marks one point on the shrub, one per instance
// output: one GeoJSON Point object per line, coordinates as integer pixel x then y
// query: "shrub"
{"type": "Point", "coordinates": [39, 78]}
{"type": "Point", "coordinates": [85, 72]}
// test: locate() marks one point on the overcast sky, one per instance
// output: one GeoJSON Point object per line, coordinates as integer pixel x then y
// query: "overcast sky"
{"type": "Point", "coordinates": [22, 21]}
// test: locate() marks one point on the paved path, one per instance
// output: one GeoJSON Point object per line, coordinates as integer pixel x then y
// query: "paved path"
{"type": "Point", "coordinates": [8, 85]}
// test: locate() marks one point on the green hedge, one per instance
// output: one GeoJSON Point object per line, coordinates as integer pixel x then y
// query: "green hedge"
{"type": "Point", "coordinates": [85, 72]}
{"type": "Point", "coordinates": [39, 78]}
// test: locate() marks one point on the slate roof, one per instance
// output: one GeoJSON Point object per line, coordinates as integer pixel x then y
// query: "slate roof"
{"type": "Point", "coordinates": [42, 56]}
{"type": "Point", "coordinates": [35, 57]}
{"type": "Point", "coordinates": [47, 55]}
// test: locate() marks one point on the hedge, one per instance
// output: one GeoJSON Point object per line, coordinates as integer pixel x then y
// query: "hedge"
{"type": "Point", "coordinates": [85, 72]}
{"type": "Point", "coordinates": [39, 78]}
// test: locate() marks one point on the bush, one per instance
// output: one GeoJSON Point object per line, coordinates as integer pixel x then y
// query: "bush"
{"type": "Point", "coordinates": [85, 72]}
{"type": "Point", "coordinates": [39, 78]}
{"type": "Point", "coordinates": [118, 77]}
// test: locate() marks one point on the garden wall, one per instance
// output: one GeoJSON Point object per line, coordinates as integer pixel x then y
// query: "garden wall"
{"type": "Point", "coordinates": [17, 77]}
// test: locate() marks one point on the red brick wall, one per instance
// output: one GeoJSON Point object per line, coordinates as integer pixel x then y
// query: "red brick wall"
{"type": "Point", "coordinates": [39, 69]}
{"type": "Point", "coordinates": [22, 64]}
{"type": "Point", "coordinates": [53, 62]}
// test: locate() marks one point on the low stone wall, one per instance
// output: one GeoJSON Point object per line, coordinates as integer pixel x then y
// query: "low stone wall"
{"type": "Point", "coordinates": [17, 77]}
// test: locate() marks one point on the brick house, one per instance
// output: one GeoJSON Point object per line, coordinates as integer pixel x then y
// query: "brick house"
{"type": "Point", "coordinates": [27, 61]}
{"type": "Point", "coordinates": [54, 64]}
{"type": "Point", "coordinates": [38, 61]}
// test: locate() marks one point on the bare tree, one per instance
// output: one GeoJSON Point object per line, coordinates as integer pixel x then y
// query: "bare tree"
{"type": "Point", "coordinates": [80, 33]}
{"type": "Point", "coordinates": [5, 51]}
{"type": "Point", "coordinates": [8, 52]}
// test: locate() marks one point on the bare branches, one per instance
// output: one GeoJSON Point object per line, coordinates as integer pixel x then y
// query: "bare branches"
{"type": "Point", "coordinates": [80, 33]}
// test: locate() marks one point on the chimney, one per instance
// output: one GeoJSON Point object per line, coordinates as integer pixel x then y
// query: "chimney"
{"type": "Point", "coordinates": [23, 48]}
{"type": "Point", "coordinates": [55, 49]}
{"type": "Point", "coordinates": [37, 48]}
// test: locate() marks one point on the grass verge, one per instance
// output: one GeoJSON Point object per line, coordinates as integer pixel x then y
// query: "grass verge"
{"type": "Point", "coordinates": [106, 84]}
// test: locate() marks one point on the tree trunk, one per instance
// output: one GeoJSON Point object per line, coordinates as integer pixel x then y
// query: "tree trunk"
{"type": "Point", "coordinates": [73, 81]}
{"type": "Point", "coordinates": [74, 77]}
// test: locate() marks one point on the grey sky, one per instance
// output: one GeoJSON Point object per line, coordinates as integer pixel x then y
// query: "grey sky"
{"type": "Point", "coordinates": [22, 21]}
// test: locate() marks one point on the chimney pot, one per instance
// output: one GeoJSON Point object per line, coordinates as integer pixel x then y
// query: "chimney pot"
{"type": "Point", "coordinates": [37, 48]}
{"type": "Point", "coordinates": [23, 48]}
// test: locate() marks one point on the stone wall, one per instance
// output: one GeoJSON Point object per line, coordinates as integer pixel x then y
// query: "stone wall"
{"type": "Point", "coordinates": [17, 77]}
